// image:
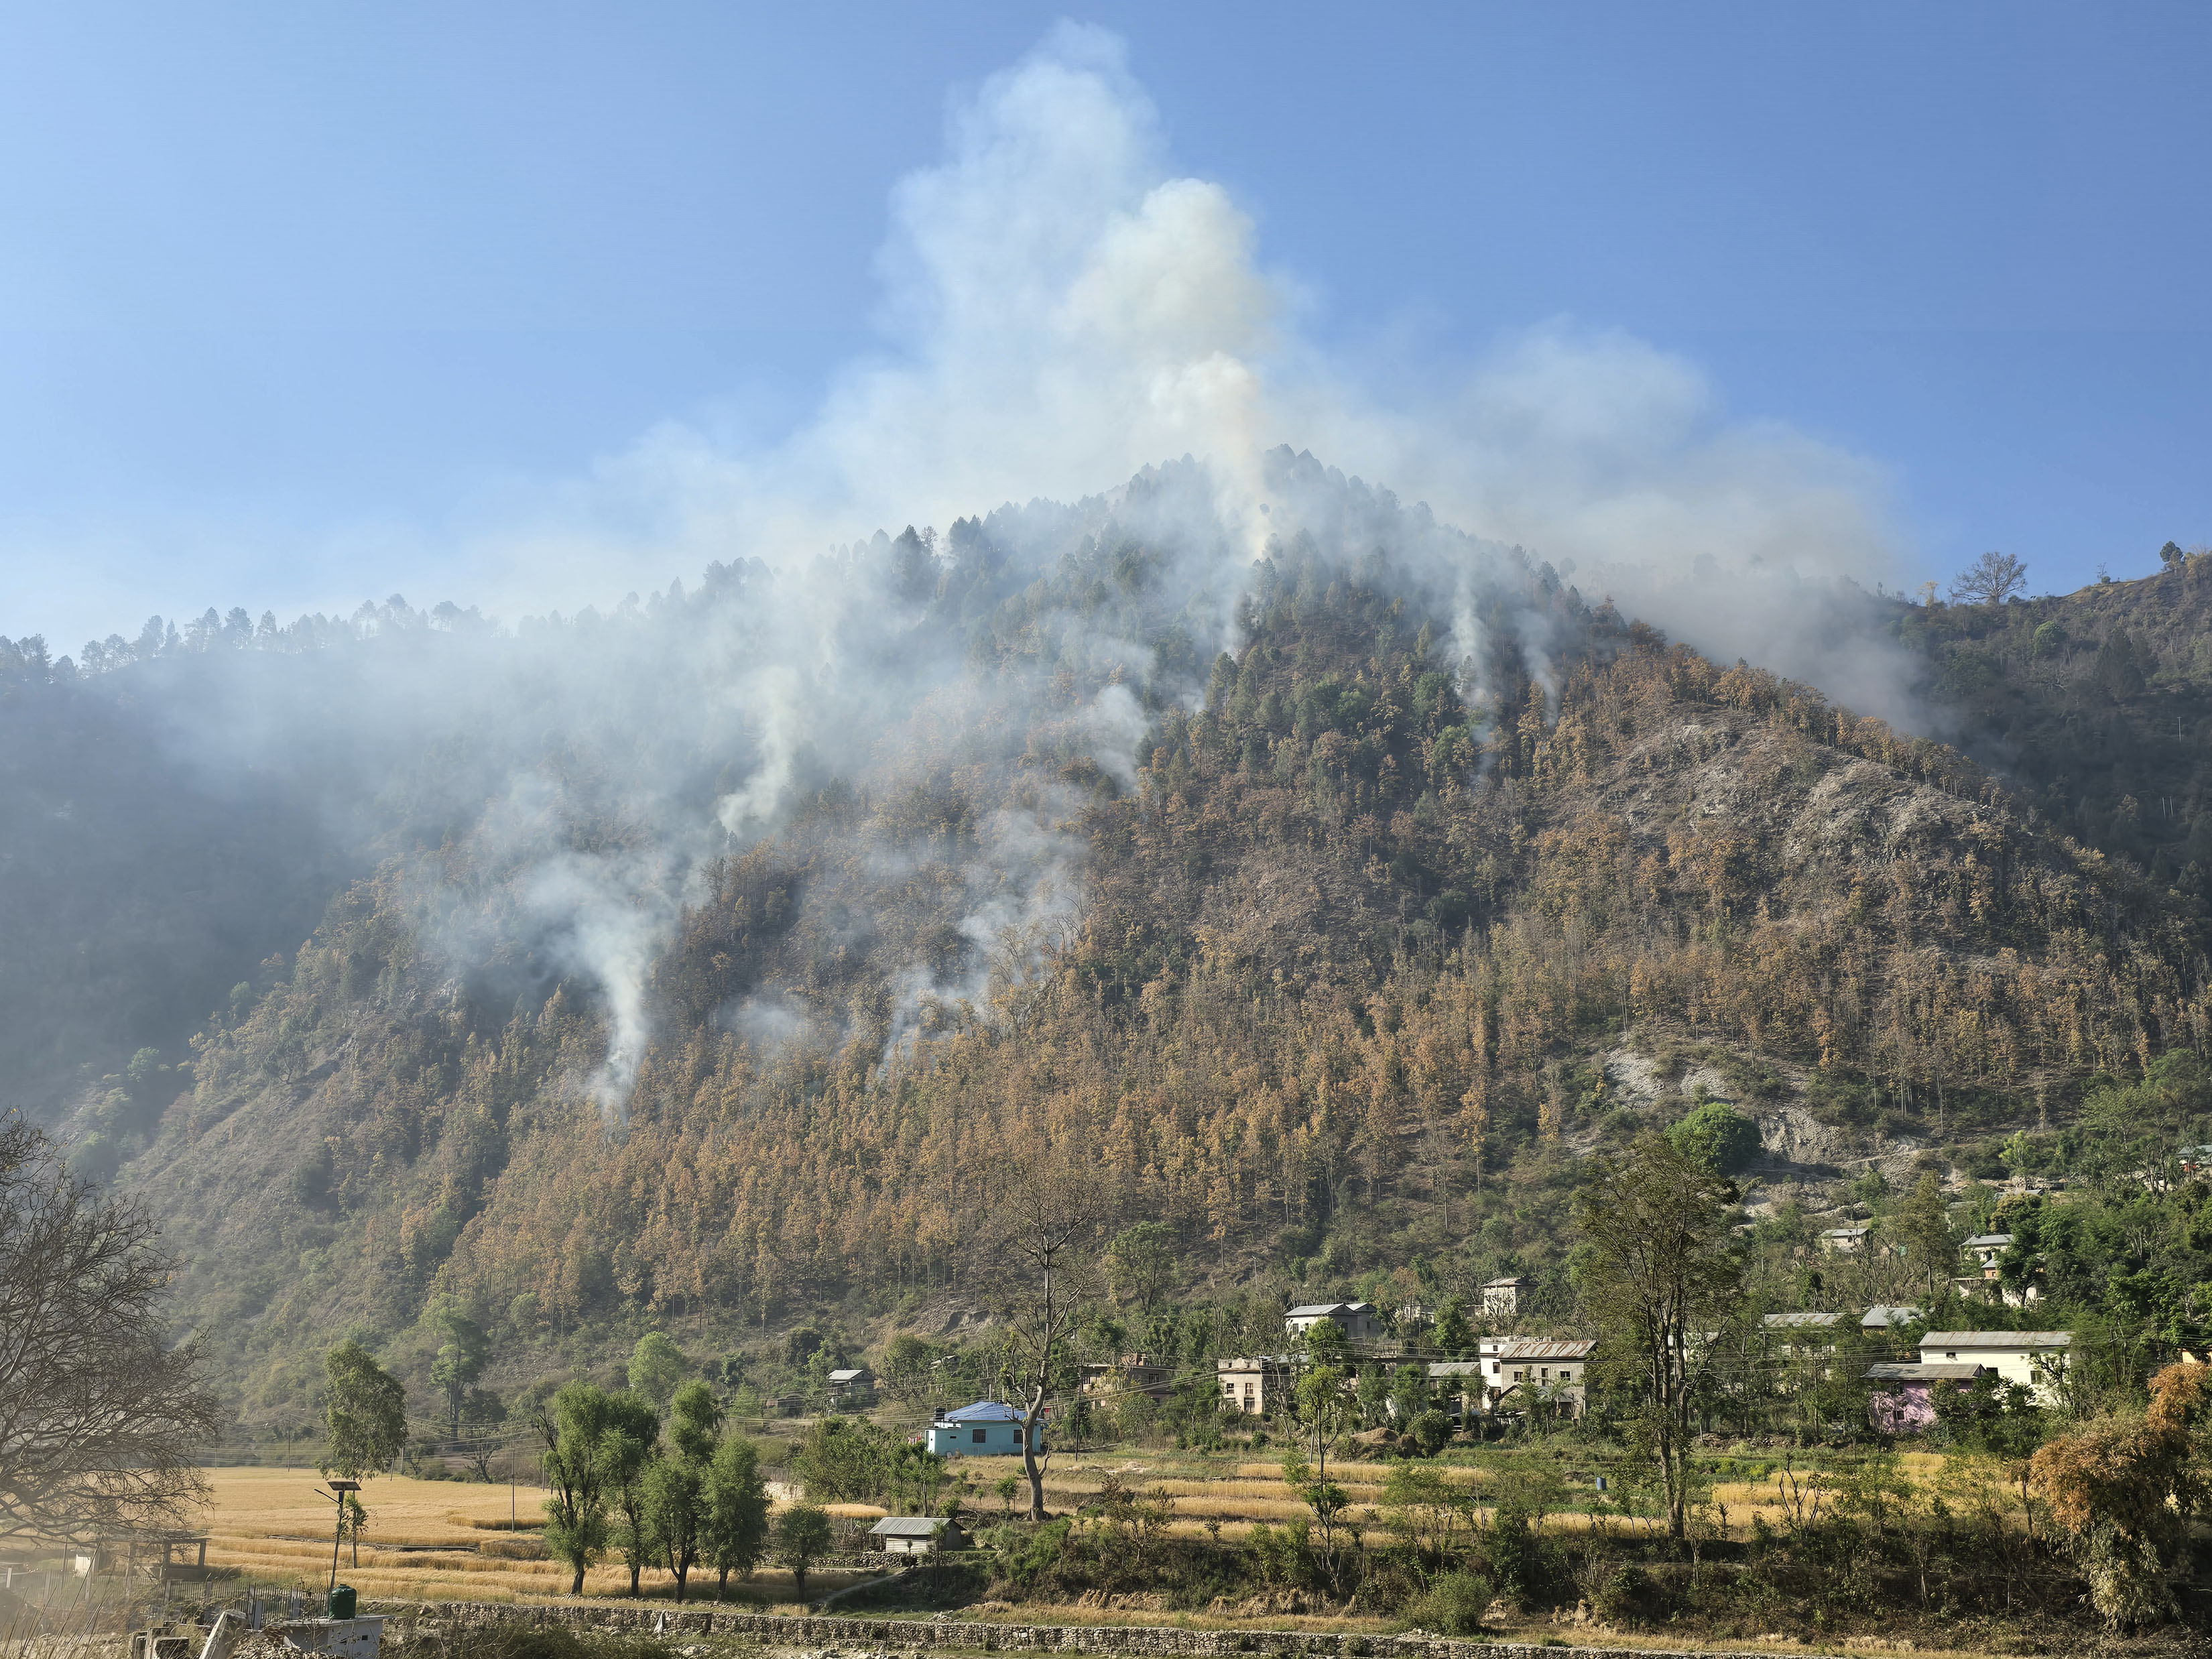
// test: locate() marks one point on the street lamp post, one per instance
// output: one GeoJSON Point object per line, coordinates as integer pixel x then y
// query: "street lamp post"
{"type": "Point", "coordinates": [339, 1492]}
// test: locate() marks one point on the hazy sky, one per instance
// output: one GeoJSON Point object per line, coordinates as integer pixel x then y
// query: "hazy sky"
{"type": "Point", "coordinates": [297, 301]}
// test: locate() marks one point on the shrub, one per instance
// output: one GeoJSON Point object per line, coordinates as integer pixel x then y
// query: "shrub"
{"type": "Point", "coordinates": [1429, 1430]}
{"type": "Point", "coordinates": [1621, 1595]}
{"type": "Point", "coordinates": [1453, 1605]}
{"type": "Point", "coordinates": [1717, 1136]}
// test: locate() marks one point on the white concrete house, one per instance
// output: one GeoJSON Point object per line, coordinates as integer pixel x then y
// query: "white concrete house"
{"type": "Point", "coordinates": [1255, 1384]}
{"type": "Point", "coordinates": [1360, 1322]}
{"type": "Point", "coordinates": [1519, 1372]}
{"type": "Point", "coordinates": [1502, 1298]}
{"type": "Point", "coordinates": [2035, 1359]}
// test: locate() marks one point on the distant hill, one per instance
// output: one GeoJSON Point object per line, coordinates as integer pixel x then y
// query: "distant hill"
{"type": "Point", "coordinates": [2096, 706]}
{"type": "Point", "coordinates": [1338, 947]}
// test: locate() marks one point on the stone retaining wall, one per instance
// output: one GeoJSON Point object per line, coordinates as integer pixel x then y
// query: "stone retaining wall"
{"type": "Point", "coordinates": [971, 1636]}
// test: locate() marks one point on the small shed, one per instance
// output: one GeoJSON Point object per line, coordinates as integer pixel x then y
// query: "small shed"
{"type": "Point", "coordinates": [917, 1534]}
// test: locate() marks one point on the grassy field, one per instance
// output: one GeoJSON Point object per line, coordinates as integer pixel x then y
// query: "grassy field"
{"type": "Point", "coordinates": [434, 1541]}
{"type": "Point", "coordinates": [427, 1541]}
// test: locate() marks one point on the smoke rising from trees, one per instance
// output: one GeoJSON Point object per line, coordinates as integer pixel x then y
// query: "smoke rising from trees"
{"type": "Point", "coordinates": [1062, 312]}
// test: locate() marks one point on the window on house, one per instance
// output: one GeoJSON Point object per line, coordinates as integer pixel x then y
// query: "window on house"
{"type": "Point", "coordinates": [978, 1436]}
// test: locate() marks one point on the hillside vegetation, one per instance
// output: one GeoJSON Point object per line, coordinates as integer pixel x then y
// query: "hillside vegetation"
{"type": "Point", "coordinates": [1340, 971]}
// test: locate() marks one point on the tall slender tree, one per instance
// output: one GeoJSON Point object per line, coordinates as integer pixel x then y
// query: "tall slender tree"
{"type": "Point", "coordinates": [1659, 1271]}
{"type": "Point", "coordinates": [1042, 1264]}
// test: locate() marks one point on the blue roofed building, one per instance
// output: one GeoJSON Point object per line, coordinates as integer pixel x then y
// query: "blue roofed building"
{"type": "Point", "coordinates": [986, 1429]}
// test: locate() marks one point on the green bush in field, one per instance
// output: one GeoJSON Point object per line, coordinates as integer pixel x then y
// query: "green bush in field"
{"type": "Point", "coordinates": [1453, 1605]}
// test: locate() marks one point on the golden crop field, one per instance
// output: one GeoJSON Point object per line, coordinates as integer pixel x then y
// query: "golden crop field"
{"type": "Point", "coordinates": [271, 1527]}
{"type": "Point", "coordinates": [448, 1540]}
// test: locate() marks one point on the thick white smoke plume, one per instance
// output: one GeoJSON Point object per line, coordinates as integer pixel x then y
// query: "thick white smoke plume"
{"type": "Point", "coordinates": [1062, 311]}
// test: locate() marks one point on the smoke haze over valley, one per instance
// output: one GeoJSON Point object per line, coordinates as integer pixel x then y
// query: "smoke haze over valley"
{"type": "Point", "coordinates": [1120, 715]}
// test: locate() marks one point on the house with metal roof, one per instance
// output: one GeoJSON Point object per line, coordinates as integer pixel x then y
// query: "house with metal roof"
{"type": "Point", "coordinates": [1884, 1317]}
{"type": "Point", "coordinates": [2034, 1359]}
{"type": "Point", "coordinates": [986, 1429]}
{"type": "Point", "coordinates": [1845, 1241]}
{"type": "Point", "coordinates": [1360, 1322]}
{"type": "Point", "coordinates": [1521, 1373]}
{"type": "Point", "coordinates": [1903, 1398]}
{"type": "Point", "coordinates": [917, 1534]}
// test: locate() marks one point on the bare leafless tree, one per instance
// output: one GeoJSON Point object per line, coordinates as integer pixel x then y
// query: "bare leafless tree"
{"type": "Point", "coordinates": [102, 1417]}
{"type": "Point", "coordinates": [1042, 1269]}
{"type": "Point", "coordinates": [1991, 579]}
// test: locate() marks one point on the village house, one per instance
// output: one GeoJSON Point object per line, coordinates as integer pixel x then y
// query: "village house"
{"type": "Point", "coordinates": [851, 1385]}
{"type": "Point", "coordinates": [1984, 1248]}
{"type": "Point", "coordinates": [1129, 1373]}
{"type": "Point", "coordinates": [1360, 1322]}
{"type": "Point", "coordinates": [1522, 1370]}
{"type": "Point", "coordinates": [1502, 1298]}
{"type": "Point", "coordinates": [1257, 1384]}
{"type": "Point", "coordinates": [1458, 1384]}
{"type": "Point", "coordinates": [986, 1429]}
{"type": "Point", "coordinates": [917, 1534]}
{"type": "Point", "coordinates": [1903, 1401]}
{"type": "Point", "coordinates": [1802, 1333]}
{"type": "Point", "coordinates": [1883, 1317]}
{"type": "Point", "coordinates": [2034, 1359]}
{"type": "Point", "coordinates": [1845, 1241]}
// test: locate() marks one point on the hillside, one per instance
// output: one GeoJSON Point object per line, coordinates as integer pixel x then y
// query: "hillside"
{"type": "Point", "coordinates": [2096, 705]}
{"type": "Point", "coordinates": [1338, 949]}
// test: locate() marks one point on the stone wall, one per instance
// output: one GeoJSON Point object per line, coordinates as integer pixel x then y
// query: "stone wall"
{"type": "Point", "coordinates": [970, 1636]}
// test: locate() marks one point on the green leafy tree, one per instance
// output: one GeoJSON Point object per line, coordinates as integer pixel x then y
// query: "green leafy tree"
{"type": "Point", "coordinates": [677, 1491]}
{"type": "Point", "coordinates": [572, 1427]}
{"type": "Point", "coordinates": [675, 1511]}
{"type": "Point", "coordinates": [460, 1361]}
{"type": "Point", "coordinates": [1140, 1262]}
{"type": "Point", "coordinates": [364, 1413]}
{"type": "Point", "coordinates": [737, 1512]}
{"type": "Point", "coordinates": [1922, 1224]}
{"type": "Point", "coordinates": [845, 1460]}
{"type": "Point", "coordinates": [626, 1451]}
{"type": "Point", "coordinates": [1322, 1407]}
{"type": "Point", "coordinates": [1718, 1136]}
{"type": "Point", "coordinates": [1658, 1268]}
{"type": "Point", "coordinates": [694, 1421]}
{"type": "Point", "coordinates": [656, 1366]}
{"type": "Point", "coordinates": [1455, 1335]}
{"type": "Point", "coordinates": [802, 1538]}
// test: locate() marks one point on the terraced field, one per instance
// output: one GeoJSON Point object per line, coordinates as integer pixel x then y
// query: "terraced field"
{"type": "Point", "coordinates": [448, 1540]}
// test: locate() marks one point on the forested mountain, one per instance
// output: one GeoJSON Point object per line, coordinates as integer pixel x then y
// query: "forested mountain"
{"type": "Point", "coordinates": [707, 960]}
{"type": "Point", "coordinates": [2096, 705]}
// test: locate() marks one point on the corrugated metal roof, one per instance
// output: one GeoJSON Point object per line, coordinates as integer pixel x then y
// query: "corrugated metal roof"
{"type": "Point", "coordinates": [984, 1411]}
{"type": "Point", "coordinates": [1546, 1350]}
{"type": "Point", "coordinates": [908, 1526]}
{"type": "Point", "coordinates": [1881, 1316]}
{"type": "Point", "coordinates": [1993, 1240]}
{"type": "Point", "coordinates": [1455, 1368]}
{"type": "Point", "coordinates": [1953, 1340]}
{"type": "Point", "coordinates": [1782, 1320]}
{"type": "Point", "coordinates": [1905, 1371]}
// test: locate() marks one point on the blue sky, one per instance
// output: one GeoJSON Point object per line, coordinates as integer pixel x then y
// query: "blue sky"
{"type": "Point", "coordinates": [296, 303]}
